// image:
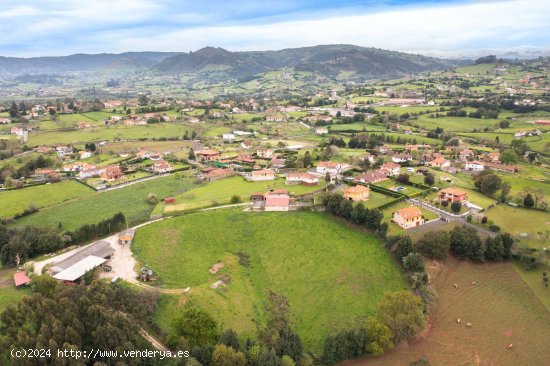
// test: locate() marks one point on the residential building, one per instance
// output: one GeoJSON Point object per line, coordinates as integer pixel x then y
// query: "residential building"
{"type": "Point", "coordinates": [408, 217]}
{"type": "Point", "coordinates": [264, 153]}
{"type": "Point", "coordinates": [217, 173]}
{"type": "Point", "coordinates": [261, 175]}
{"type": "Point", "coordinates": [357, 193]}
{"type": "Point", "coordinates": [162, 166]}
{"type": "Point", "coordinates": [474, 166]}
{"type": "Point", "coordinates": [440, 163]}
{"type": "Point", "coordinates": [391, 168]}
{"type": "Point", "coordinates": [374, 176]}
{"type": "Point", "coordinates": [452, 195]}
{"type": "Point", "coordinates": [307, 179]}
{"type": "Point", "coordinates": [401, 158]}
{"type": "Point", "coordinates": [277, 200]}
{"type": "Point", "coordinates": [207, 155]}
{"type": "Point", "coordinates": [111, 173]}
{"type": "Point", "coordinates": [330, 167]}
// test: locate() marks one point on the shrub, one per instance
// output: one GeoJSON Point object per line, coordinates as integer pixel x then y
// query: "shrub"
{"type": "Point", "coordinates": [494, 228]}
{"type": "Point", "coordinates": [236, 199]}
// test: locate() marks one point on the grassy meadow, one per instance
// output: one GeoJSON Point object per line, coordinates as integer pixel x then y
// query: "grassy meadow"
{"type": "Point", "coordinates": [332, 275]}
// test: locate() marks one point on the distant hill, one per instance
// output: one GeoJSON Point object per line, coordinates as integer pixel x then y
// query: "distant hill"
{"type": "Point", "coordinates": [79, 62]}
{"type": "Point", "coordinates": [330, 60]}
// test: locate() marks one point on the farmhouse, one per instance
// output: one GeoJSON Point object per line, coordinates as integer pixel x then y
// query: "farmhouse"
{"type": "Point", "coordinates": [452, 195]}
{"type": "Point", "coordinates": [215, 174]}
{"type": "Point", "coordinates": [85, 154]}
{"type": "Point", "coordinates": [307, 179]}
{"type": "Point", "coordinates": [321, 130]}
{"type": "Point", "coordinates": [228, 137]}
{"type": "Point", "coordinates": [408, 217]}
{"type": "Point", "coordinates": [45, 174]}
{"type": "Point", "coordinates": [372, 176]}
{"type": "Point", "coordinates": [401, 158]}
{"type": "Point", "coordinates": [440, 163]}
{"type": "Point", "coordinates": [501, 167]}
{"type": "Point", "coordinates": [92, 171]}
{"type": "Point", "coordinates": [246, 144]}
{"type": "Point", "coordinates": [466, 154]}
{"type": "Point", "coordinates": [207, 155]}
{"type": "Point", "coordinates": [493, 156]}
{"type": "Point", "coordinates": [474, 166]}
{"type": "Point", "coordinates": [357, 193]}
{"type": "Point", "coordinates": [390, 168]}
{"type": "Point", "coordinates": [277, 163]}
{"type": "Point", "coordinates": [277, 200]}
{"type": "Point", "coordinates": [261, 175]}
{"type": "Point", "coordinates": [111, 173]}
{"type": "Point", "coordinates": [162, 166]}
{"type": "Point", "coordinates": [264, 153]}
{"type": "Point", "coordinates": [330, 167]}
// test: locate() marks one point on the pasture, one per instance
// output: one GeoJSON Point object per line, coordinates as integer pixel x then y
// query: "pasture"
{"type": "Point", "coordinates": [332, 275]}
{"type": "Point", "coordinates": [90, 209]}
{"type": "Point", "coordinates": [501, 308]}
{"type": "Point", "coordinates": [221, 191]}
{"type": "Point", "coordinates": [18, 200]}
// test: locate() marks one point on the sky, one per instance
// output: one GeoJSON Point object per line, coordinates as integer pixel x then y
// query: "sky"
{"type": "Point", "coordinates": [452, 28]}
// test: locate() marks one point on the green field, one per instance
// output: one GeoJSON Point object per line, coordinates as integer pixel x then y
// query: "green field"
{"type": "Point", "coordinates": [333, 276]}
{"type": "Point", "coordinates": [9, 294]}
{"type": "Point", "coordinates": [221, 191]}
{"type": "Point", "coordinates": [16, 201]}
{"type": "Point", "coordinates": [131, 200]}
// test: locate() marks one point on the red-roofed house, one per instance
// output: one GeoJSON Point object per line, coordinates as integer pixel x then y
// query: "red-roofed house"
{"type": "Point", "coordinates": [207, 155]}
{"type": "Point", "coordinates": [162, 166]}
{"type": "Point", "coordinates": [330, 167]}
{"type": "Point", "coordinates": [111, 173]}
{"type": "Point", "coordinates": [277, 200]}
{"type": "Point", "coordinates": [391, 168]}
{"type": "Point", "coordinates": [452, 195]}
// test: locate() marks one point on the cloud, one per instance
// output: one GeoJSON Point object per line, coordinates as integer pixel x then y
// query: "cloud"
{"type": "Point", "coordinates": [168, 25]}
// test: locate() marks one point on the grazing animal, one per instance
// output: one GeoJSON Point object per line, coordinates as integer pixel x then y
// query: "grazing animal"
{"type": "Point", "coordinates": [468, 324]}
{"type": "Point", "coordinates": [510, 346]}
{"type": "Point", "coordinates": [455, 285]}
{"type": "Point", "coordinates": [473, 283]}
{"type": "Point", "coordinates": [458, 321]}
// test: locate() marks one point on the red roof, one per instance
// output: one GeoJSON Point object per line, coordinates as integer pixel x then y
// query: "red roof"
{"type": "Point", "coordinates": [21, 278]}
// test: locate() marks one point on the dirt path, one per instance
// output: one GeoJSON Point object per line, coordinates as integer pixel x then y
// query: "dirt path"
{"type": "Point", "coordinates": [155, 342]}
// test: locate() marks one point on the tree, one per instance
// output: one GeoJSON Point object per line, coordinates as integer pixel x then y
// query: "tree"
{"type": "Point", "coordinates": [289, 343]}
{"type": "Point", "coordinates": [359, 214]}
{"type": "Point", "coordinates": [379, 335]}
{"type": "Point", "coordinates": [346, 209]}
{"type": "Point", "coordinates": [227, 356]}
{"type": "Point", "coordinates": [456, 207]}
{"type": "Point", "coordinates": [403, 246]}
{"type": "Point", "coordinates": [327, 177]}
{"type": "Point", "coordinates": [403, 313]}
{"type": "Point", "coordinates": [528, 201]}
{"type": "Point", "coordinates": [413, 262]}
{"type": "Point", "coordinates": [287, 361]}
{"type": "Point", "coordinates": [195, 326]}
{"type": "Point", "coordinates": [230, 338]}
{"type": "Point", "coordinates": [509, 157]}
{"type": "Point", "coordinates": [487, 182]}
{"type": "Point", "coordinates": [504, 191]}
{"type": "Point", "coordinates": [143, 100]}
{"type": "Point", "coordinates": [373, 218]}
{"type": "Point", "coordinates": [308, 161]}
{"type": "Point", "coordinates": [466, 244]}
{"type": "Point", "coordinates": [191, 155]}
{"type": "Point", "coordinates": [236, 199]}
{"type": "Point", "coordinates": [45, 285]}
{"type": "Point", "coordinates": [434, 245]}
{"type": "Point", "coordinates": [403, 178]}
{"type": "Point", "coordinates": [429, 179]}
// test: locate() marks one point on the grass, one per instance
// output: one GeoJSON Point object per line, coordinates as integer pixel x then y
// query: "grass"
{"type": "Point", "coordinates": [517, 220]}
{"type": "Point", "coordinates": [9, 294]}
{"type": "Point", "coordinates": [332, 275]}
{"type": "Point", "coordinates": [131, 200]}
{"type": "Point", "coordinates": [221, 191]}
{"type": "Point", "coordinates": [502, 309]}
{"type": "Point", "coordinates": [393, 228]}
{"type": "Point", "coordinates": [16, 201]}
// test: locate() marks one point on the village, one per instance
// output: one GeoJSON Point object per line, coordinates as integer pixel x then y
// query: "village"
{"type": "Point", "coordinates": [128, 191]}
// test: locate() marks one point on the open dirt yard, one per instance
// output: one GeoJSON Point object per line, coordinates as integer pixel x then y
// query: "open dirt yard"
{"type": "Point", "coordinates": [501, 308]}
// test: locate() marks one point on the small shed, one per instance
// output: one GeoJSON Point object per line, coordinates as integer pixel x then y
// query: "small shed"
{"type": "Point", "coordinates": [21, 279]}
{"type": "Point", "coordinates": [126, 236]}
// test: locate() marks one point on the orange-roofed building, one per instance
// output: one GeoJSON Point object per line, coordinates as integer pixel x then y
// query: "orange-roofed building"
{"type": "Point", "coordinates": [357, 193]}
{"type": "Point", "coordinates": [452, 195]}
{"type": "Point", "coordinates": [408, 217]}
{"type": "Point", "coordinates": [21, 279]}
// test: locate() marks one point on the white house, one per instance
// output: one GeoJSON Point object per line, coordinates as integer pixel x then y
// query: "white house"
{"type": "Point", "coordinates": [264, 153]}
{"type": "Point", "coordinates": [85, 154]}
{"type": "Point", "coordinates": [401, 158]}
{"type": "Point", "coordinates": [330, 167]}
{"type": "Point", "coordinates": [321, 130]}
{"type": "Point", "coordinates": [474, 166]}
{"type": "Point", "coordinates": [228, 137]}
